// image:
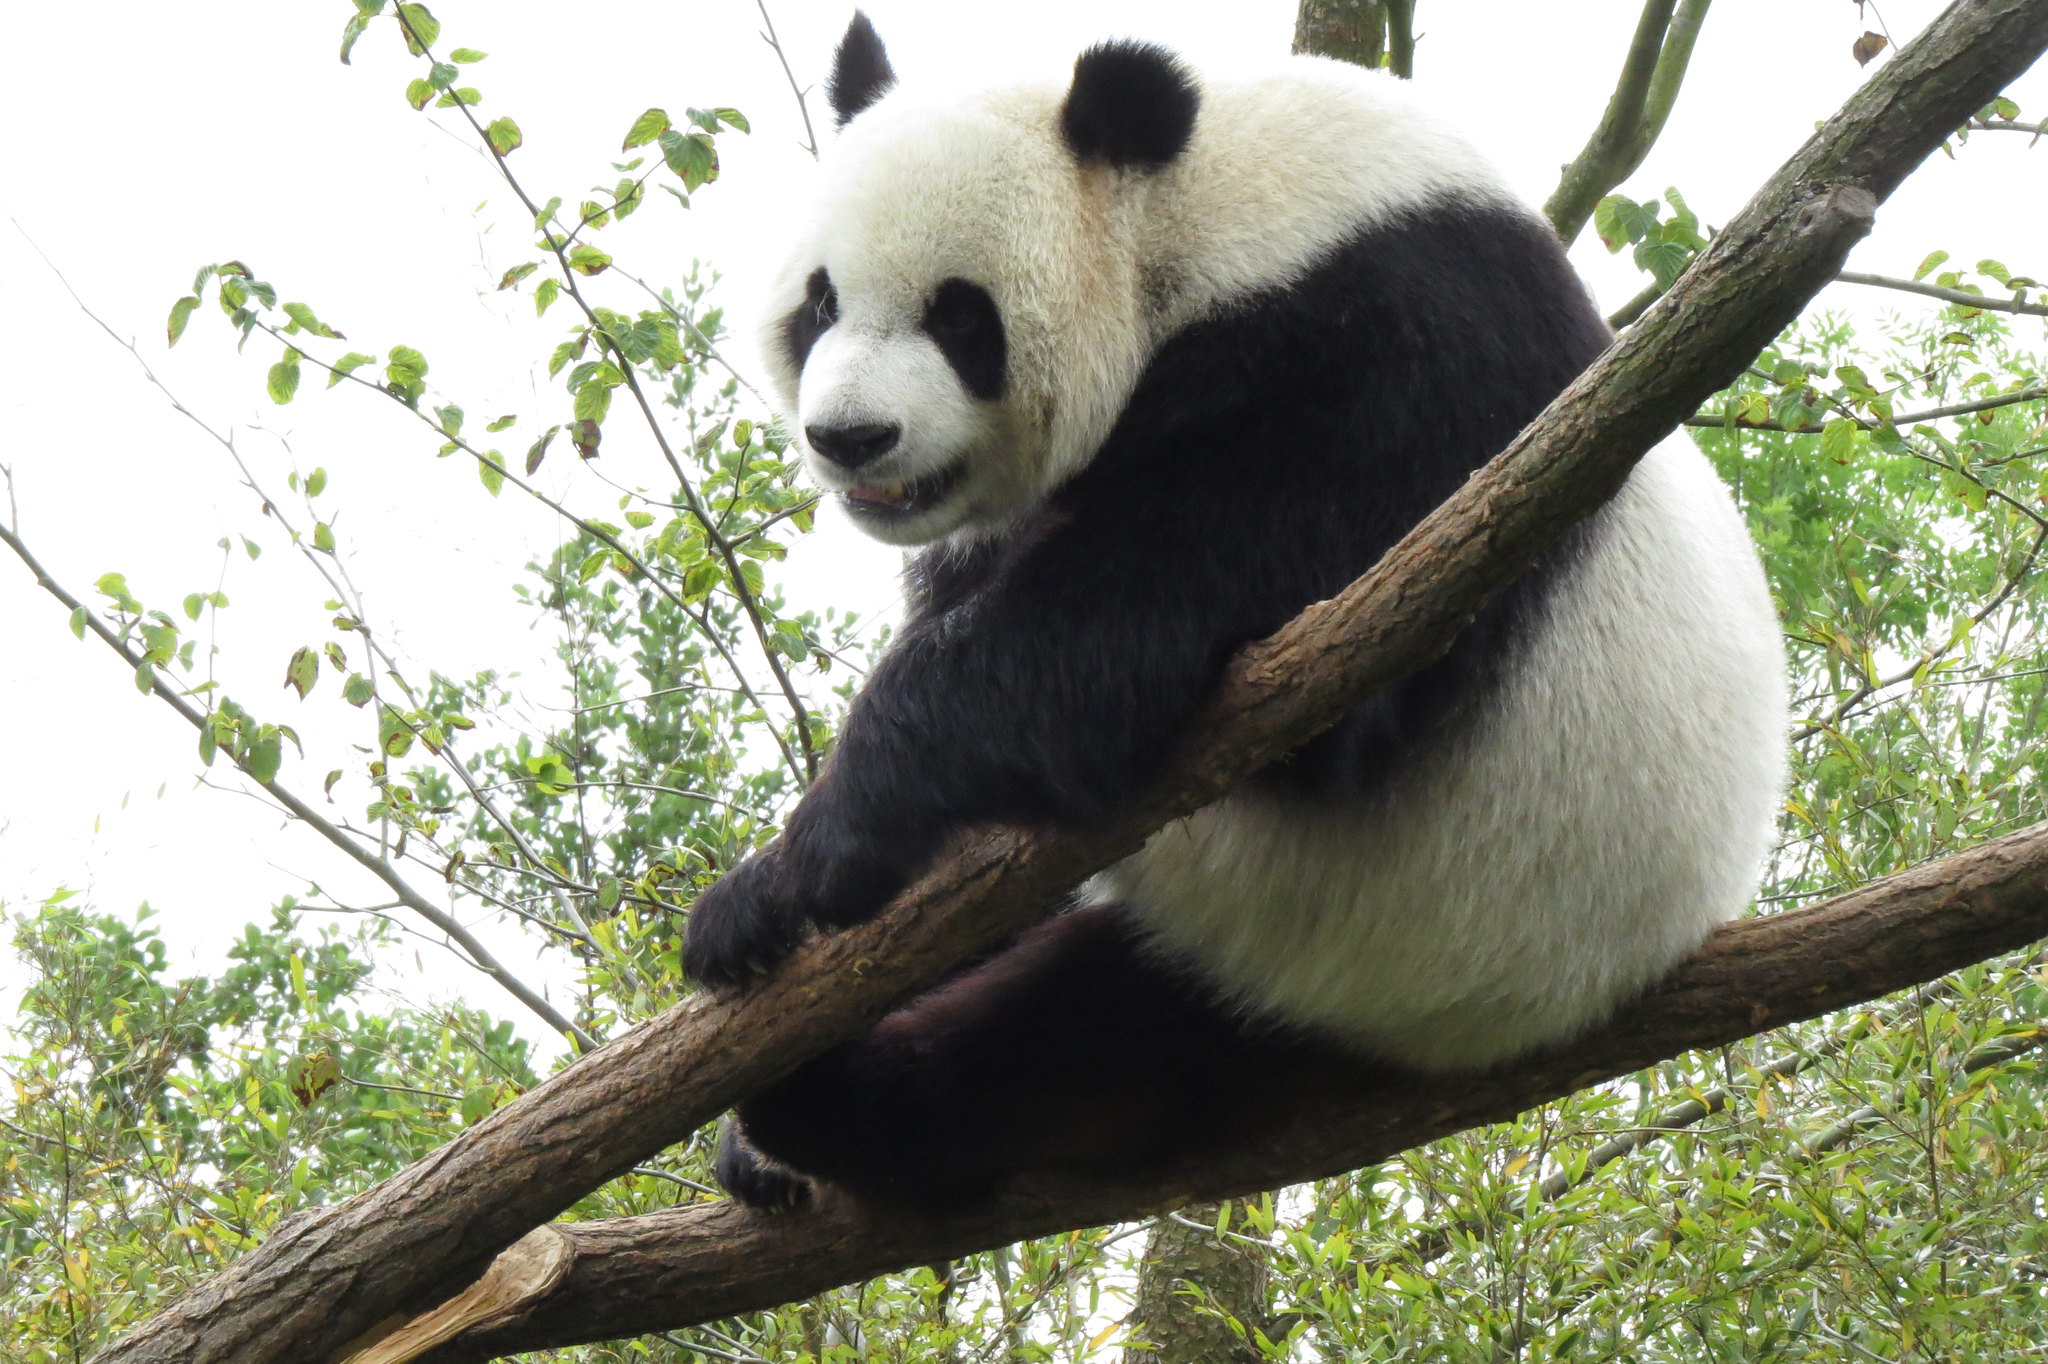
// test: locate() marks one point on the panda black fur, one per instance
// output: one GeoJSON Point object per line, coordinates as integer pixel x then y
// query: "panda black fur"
{"type": "Point", "coordinates": [1147, 365]}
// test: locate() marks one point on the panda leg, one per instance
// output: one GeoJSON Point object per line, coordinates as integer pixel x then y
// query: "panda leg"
{"type": "Point", "coordinates": [1072, 1051]}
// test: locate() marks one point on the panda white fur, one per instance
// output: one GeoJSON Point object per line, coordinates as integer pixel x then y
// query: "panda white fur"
{"type": "Point", "coordinates": [1147, 364]}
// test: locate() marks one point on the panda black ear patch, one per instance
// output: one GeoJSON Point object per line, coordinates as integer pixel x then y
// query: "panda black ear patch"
{"type": "Point", "coordinates": [1132, 104]}
{"type": "Point", "coordinates": [861, 73]}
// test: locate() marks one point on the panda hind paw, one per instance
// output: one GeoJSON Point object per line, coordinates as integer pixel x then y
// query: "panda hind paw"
{"type": "Point", "coordinates": [753, 1179]}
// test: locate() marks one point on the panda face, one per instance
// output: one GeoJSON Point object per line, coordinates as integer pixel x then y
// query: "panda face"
{"type": "Point", "coordinates": [960, 322]}
{"type": "Point", "coordinates": [902, 421]}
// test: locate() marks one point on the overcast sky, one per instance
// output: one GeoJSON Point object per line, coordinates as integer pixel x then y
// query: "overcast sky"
{"type": "Point", "coordinates": [145, 139]}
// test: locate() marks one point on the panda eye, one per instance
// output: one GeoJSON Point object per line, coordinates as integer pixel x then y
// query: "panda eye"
{"type": "Point", "coordinates": [821, 298]}
{"type": "Point", "coordinates": [958, 309]}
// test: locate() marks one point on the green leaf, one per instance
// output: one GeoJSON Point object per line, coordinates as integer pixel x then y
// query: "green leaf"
{"type": "Point", "coordinates": [251, 548]}
{"type": "Point", "coordinates": [451, 419]}
{"type": "Point", "coordinates": [510, 279]}
{"type": "Point", "coordinates": [421, 28]}
{"type": "Point", "coordinates": [645, 129]}
{"type": "Point", "coordinates": [208, 744]}
{"type": "Point", "coordinates": [316, 483]}
{"type": "Point", "coordinates": [538, 451]}
{"type": "Point", "coordinates": [323, 537]}
{"type": "Point", "coordinates": [466, 55]}
{"type": "Point", "coordinates": [493, 477]}
{"type": "Point", "coordinates": [1934, 258]}
{"type": "Point", "coordinates": [302, 317]}
{"type": "Point", "coordinates": [1839, 439]}
{"type": "Point", "coordinates": [544, 294]}
{"type": "Point", "coordinates": [145, 678]}
{"type": "Point", "coordinates": [418, 92]}
{"type": "Point", "coordinates": [194, 604]}
{"type": "Point", "coordinates": [504, 135]}
{"type": "Point", "coordinates": [593, 402]}
{"type": "Point", "coordinates": [542, 218]}
{"type": "Point", "coordinates": [284, 377]}
{"type": "Point", "coordinates": [691, 156]}
{"type": "Point", "coordinates": [180, 311]}
{"type": "Point", "coordinates": [347, 365]}
{"type": "Point", "coordinates": [585, 259]}
{"type": "Point", "coordinates": [357, 690]}
{"type": "Point", "coordinates": [351, 31]}
{"type": "Point", "coordinates": [266, 755]}
{"type": "Point", "coordinates": [733, 118]}
{"type": "Point", "coordinates": [303, 671]}
{"type": "Point", "coordinates": [501, 423]}
{"type": "Point", "coordinates": [78, 621]}
{"type": "Point", "coordinates": [608, 893]}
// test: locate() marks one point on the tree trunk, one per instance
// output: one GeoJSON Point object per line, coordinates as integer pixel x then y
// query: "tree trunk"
{"type": "Point", "coordinates": [1200, 1295]}
{"type": "Point", "coordinates": [1349, 30]}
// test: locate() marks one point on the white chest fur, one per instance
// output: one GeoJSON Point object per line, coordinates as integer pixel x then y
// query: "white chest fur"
{"type": "Point", "coordinates": [1612, 805]}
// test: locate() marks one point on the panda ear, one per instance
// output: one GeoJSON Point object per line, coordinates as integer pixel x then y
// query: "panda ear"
{"type": "Point", "coordinates": [861, 73]}
{"type": "Point", "coordinates": [1132, 104]}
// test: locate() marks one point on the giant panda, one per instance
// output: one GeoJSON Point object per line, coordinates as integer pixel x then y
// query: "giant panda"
{"type": "Point", "coordinates": [1142, 364]}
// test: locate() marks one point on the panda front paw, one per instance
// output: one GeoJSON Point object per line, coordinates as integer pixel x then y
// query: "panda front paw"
{"type": "Point", "coordinates": [752, 1178]}
{"type": "Point", "coordinates": [742, 926]}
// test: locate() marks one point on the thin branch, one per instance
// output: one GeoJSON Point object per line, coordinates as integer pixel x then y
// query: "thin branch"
{"type": "Point", "coordinates": [478, 955]}
{"type": "Point", "coordinates": [1947, 295]}
{"type": "Point", "coordinates": [736, 581]}
{"type": "Point", "coordinates": [802, 104]}
{"type": "Point", "coordinates": [1997, 400]}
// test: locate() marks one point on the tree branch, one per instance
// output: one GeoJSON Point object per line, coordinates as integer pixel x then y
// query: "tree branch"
{"type": "Point", "coordinates": [670, 1269]}
{"type": "Point", "coordinates": [330, 1276]}
{"type": "Point", "coordinates": [1995, 401]}
{"type": "Point", "coordinates": [1642, 101]}
{"type": "Point", "coordinates": [473, 949]}
{"type": "Point", "coordinates": [1962, 296]}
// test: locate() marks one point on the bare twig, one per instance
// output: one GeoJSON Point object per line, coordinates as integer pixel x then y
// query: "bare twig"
{"type": "Point", "coordinates": [802, 103]}
{"type": "Point", "coordinates": [1962, 296]}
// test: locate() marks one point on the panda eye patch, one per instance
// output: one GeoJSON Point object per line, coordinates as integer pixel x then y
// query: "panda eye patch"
{"type": "Point", "coordinates": [811, 318]}
{"type": "Point", "coordinates": [967, 326]}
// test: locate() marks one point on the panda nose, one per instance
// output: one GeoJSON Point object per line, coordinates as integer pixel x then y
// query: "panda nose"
{"type": "Point", "coordinates": [852, 446]}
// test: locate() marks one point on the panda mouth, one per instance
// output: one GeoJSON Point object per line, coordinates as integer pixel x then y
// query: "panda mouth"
{"type": "Point", "coordinates": [903, 498]}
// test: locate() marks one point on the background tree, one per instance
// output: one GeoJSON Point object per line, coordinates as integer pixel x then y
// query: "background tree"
{"type": "Point", "coordinates": [1840, 1189]}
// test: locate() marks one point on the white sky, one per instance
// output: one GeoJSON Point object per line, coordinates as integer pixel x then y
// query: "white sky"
{"type": "Point", "coordinates": [145, 139]}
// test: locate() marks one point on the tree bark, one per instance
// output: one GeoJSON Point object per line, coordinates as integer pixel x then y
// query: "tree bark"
{"type": "Point", "coordinates": [331, 1277]}
{"type": "Point", "coordinates": [1352, 31]}
{"type": "Point", "coordinates": [1192, 1284]}
{"type": "Point", "coordinates": [671, 1269]}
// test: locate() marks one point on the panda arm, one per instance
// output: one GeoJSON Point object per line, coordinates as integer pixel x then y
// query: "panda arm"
{"type": "Point", "coordinates": [1046, 697]}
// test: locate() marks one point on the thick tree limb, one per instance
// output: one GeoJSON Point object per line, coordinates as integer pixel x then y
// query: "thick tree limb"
{"type": "Point", "coordinates": [1636, 113]}
{"type": "Point", "coordinates": [331, 1276]}
{"type": "Point", "coordinates": [639, 1274]}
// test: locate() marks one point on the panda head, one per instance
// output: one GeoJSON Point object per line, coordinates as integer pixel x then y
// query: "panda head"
{"type": "Point", "coordinates": [964, 315]}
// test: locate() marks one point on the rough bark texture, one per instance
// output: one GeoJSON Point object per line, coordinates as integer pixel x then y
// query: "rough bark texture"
{"type": "Point", "coordinates": [671, 1269]}
{"type": "Point", "coordinates": [1191, 1284]}
{"type": "Point", "coordinates": [329, 1277]}
{"type": "Point", "coordinates": [1349, 30]}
